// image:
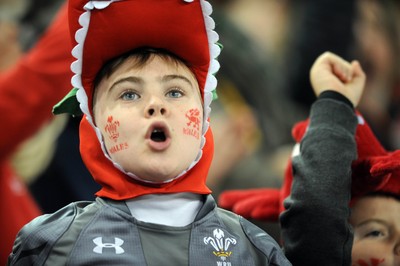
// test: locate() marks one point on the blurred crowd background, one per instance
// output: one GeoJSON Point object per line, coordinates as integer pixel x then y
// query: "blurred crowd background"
{"type": "Point", "coordinates": [269, 47]}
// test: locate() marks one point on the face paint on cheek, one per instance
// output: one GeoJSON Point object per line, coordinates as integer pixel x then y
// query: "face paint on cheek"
{"type": "Point", "coordinates": [112, 128]}
{"type": "Point", "coordinates": [193, 123]}
{"type": "Point", "coordinates": [373, 262]}
{"type": "Point", "coordinates": [119, 147]}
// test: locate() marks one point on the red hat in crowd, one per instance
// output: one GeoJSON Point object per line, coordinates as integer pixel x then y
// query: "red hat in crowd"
{"type": "Point", "coordinates": [374, 170]}
{"type": "Point", "coordinates": [105, 29]}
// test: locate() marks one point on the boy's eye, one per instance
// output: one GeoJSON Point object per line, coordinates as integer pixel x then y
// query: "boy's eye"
{"type": "Point", "coordinates": [372, 230]}
{"type": "Point", "coordinates": [375, 233]}
{"type": "Point", "coordinates": [175, 93]}
{"type": "Point", "coordinates": [129, 96]}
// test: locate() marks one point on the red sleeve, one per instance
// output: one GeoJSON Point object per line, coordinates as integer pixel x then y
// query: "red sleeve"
{"type": "Point", "coordinates": [39, 80]}
{"type": "Point", "coordinates": [17, 207]}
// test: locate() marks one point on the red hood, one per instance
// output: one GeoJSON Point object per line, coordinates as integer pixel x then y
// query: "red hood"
{"type": "Point", "coordinates": [119, 186]}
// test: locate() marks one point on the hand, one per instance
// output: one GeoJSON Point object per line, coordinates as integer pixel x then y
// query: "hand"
{"type": "Point", "coordinates": [331, 72]}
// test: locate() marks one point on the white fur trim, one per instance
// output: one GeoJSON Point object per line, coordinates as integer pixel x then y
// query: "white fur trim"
{"type": "Point", "coordinates": [296, 150]}
{"type": "Point", "coordinates": [360, 119]}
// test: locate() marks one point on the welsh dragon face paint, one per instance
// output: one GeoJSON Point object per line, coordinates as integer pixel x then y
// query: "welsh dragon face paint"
{"type": "Point", "coordinates": [112, 131]}
{"type": "Point", "coordinates": [193, 123]}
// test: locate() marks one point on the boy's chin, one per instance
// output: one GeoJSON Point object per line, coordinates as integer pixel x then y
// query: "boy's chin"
{"type": "Point", "coordinates": [156, 171]}
{"type": "Point", "coordinates": [152, 181]}
{"type": "Point", "coordinates": [157, 177]}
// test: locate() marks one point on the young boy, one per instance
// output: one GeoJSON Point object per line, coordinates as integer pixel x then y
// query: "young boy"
{"type": "Point", "coordinates": [316, 219]}
{"type": "Point", "coordinates": [328, 165]}
{"type": "Point", "coordinates": [376, 221]}
{"type": "Point", "coordinates": [374, 204]}
{"type": "Point", "coordinates": [144, 79]}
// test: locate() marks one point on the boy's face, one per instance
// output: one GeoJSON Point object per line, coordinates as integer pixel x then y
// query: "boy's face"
{"type": "Point", "coordinates": [376, 223]}
{"type": "Point", "coordinates": [150, 117]}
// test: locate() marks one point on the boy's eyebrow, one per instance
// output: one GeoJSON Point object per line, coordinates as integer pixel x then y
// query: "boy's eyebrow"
{"type": "Point", "coordinates": [379, 221]}
{"type": "Point", "coordinates": [127, 79]}
{"type": "Point", "coordinates": [174, 76]}
{"type": "Point", "coordinates": [138, 80]}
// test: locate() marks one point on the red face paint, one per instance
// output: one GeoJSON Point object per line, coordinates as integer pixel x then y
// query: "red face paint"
{"type": "Point", "coordinates": [193, 123]}
{"type": "Point", "coordinates": [118, 147]}
{"type": "Point", "coordinates": [112, 129]}
{"type": "Point", "coordinates": [373, 262]}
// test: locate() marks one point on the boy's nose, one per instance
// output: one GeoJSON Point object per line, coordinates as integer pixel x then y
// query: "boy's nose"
{"type": "Point", "coordinates": [152, 111]}
{"type": "Point", "coordinates": [155, 107]}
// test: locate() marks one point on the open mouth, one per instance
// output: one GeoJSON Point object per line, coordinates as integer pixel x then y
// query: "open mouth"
{"type": "Point", "coordinates": [158, 135]}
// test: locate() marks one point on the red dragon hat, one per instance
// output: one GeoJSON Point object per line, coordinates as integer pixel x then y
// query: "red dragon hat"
{"type": "Point", "coordinates": [104, 29]}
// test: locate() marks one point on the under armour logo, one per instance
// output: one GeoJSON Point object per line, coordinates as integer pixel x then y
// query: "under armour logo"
{"type": "Point", "coordinates": [116, 245]}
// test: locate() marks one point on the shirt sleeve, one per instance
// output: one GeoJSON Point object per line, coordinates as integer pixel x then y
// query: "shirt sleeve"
{"type": "Point", "coordinates": [314, 224]}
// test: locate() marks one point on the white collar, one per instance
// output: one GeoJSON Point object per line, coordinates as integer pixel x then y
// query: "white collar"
{"type": "Point", "coordinates": [178, 209]}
